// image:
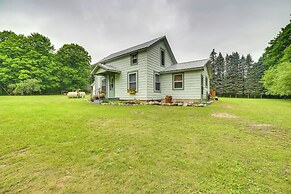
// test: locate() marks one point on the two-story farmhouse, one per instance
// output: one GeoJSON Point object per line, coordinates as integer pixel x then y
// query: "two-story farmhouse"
{"type": "Point", "coordinates": [149, 71]}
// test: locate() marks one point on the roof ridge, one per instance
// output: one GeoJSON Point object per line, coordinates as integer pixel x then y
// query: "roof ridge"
{"type": "Point", "coordinates": [192, 61]}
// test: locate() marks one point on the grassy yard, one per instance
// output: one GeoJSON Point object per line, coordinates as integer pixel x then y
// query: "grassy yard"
{"type": "Point", "coordinates": [54, 144]}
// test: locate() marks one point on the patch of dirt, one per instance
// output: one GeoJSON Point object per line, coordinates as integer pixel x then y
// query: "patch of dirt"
{"type": "Point", "coordinates": [20, 152]}
{"type": "Point", "coordinates": [224, 115]}
{"type": "Point", "coordinates": [61, 182]}
{"type": "Point", "coordinates": [261, 126]}
{"type": "Point", "coordinates": [2, 166]}
{"type": "Point", "coordinates": [227, 106]}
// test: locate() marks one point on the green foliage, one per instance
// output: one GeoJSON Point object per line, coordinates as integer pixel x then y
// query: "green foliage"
{"type": "Point", "coordinates": [277, 57]}
{"type": "Point", "coordinates": [27, 87]}
{"type": "Point", "coordinates": [32, 57]}
{"type": "Point", "coordinates": [237, 75]}
{"type": "Point", "coordinates": [275, 51]}
{"type": "Point", "coordinates": [74, 62]}
{"type": "Point", "coordinates": [219, 76]}
{"type": "Point", "coordinates": [277, 79]}
{"type": "Point", "coordinates": [212, 61]}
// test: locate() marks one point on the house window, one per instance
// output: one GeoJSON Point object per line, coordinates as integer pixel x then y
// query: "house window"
{"type": "Point", "coordinates": [133, 59]}
{"type": "Point", "coordinates": [202, 88]}
{"type": "Point", "coordinates": [103, 85]}
{"type": "Point", "coordinates": [162, 58]}
{"type": "Point", "coordinates": [206, 82]}
{"type": "Point", "coordinates": [157, 84]}
{"type": "Point", "coordinates": [111, 84]}
{"type": "Point", "coordinates": [178, 81]}
{"type": "Point", "coordinates": [132, 81]}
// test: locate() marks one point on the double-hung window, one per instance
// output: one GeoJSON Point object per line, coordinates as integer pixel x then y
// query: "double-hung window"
{"type": "Point", "coordinates": [206, 82]}
{"type": "Point", "coordinates": [132, 81]}
{"type": "Point", "coordinates": [157, 84]}
{"type": "Point", "coordinates": [103, 84]}
{"type": "Point", "coordinates": [133, 59]}
{"type": "Point", "coordinates": [178, 81]}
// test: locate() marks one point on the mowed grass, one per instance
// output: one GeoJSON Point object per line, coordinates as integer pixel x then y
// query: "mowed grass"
{"type": "Point", "coordinates": [58, 145]}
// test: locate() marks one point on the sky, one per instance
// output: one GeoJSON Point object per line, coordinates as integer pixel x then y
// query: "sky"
{"type": "Point", "coordinates": [193, 27]}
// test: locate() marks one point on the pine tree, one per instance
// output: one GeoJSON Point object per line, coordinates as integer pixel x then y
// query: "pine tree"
{"type": "Point", "coordinates": [212, 60]}
{"type": "Point", "coordinates": [227, 76]}
{"type": "Point", "coordinates": [220, 74]}
{"type": "Point", "coordinates": [260, 68]}
{"type": "Point", "coordinates": [249, 77]}
{"type": "Point", "coordinates": [240, 76]}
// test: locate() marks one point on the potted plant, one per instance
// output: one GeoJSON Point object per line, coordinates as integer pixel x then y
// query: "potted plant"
{"type": "Point", "coordinates": [102, 94]}
{"type": "Point", "coordinates": [131, 91]}
{"type": "Point", "coordinates": [168, 99]}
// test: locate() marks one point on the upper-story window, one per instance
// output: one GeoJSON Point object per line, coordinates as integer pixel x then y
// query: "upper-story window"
{"type": "Point", "coordinates": [133, 59]}
{"type": "Point", "coordinates": [162, 57]}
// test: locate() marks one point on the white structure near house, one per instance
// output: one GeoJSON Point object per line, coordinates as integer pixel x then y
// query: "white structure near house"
{"type": "Point", "coordinates": [149, 71]}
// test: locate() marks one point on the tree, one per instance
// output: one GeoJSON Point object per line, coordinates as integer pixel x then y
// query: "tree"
{"type": "Point", "coordinates": [277, 79]}
{"type": "Point", "coordinates": [277, 57]}
{"type": "Point", "coordinates": [240, 76]}
{"type": "Point", "coordinates": [23, 58]}
{"type": "Point", "coordinates": [212, 61]}
{"type": "Point", "coordinates": [275, 51]}
{"type": "Point", "coordinates": [220, 74]}
{"type": "Point", "coordinates": [27, 87]}
{"type": "Point", "coordinates": [74, 67]}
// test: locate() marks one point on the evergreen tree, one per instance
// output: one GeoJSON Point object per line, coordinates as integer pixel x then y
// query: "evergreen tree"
{"type": "Point", "coordinates": [212, 60]}
{"type": "Point", "coordinates": [260, 69]}
{"type": "Point", "coordinates": [220, 74]}
{"type": "Point", "coordinates": [249, 75]}
{"type": "Point", "coordinates": [240, 76]}
{"type": "Point", "coordinates": [227, 83]}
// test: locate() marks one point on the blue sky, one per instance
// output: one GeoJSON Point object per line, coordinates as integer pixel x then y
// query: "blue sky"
{"type": "Point", "coordinates": [193, 28]}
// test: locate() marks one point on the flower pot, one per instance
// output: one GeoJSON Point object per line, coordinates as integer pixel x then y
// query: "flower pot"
{"type": "Point", "coordinates": [168, 100]}
{"type": "Point", "coordinates": [131, 91]}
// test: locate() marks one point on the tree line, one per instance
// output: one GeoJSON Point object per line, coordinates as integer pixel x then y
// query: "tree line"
{"type": "Point", "coordinates": [237, 75]}
{"type": "Point", "coordinates": [29, 64]}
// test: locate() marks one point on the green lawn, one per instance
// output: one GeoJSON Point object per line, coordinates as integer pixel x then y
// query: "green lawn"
{"type": "Point", "coordinates": [54, 144]}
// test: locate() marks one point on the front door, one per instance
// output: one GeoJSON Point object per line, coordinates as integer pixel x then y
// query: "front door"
{"type": "Point", "coordinates": [111, 86]}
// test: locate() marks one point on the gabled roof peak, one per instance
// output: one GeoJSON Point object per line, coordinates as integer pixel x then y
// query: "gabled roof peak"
{"type": "Point", "coordinates": [135, 48]}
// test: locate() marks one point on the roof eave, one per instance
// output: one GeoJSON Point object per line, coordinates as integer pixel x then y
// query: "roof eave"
{"type": "Point", "coordinates": [181, 70]}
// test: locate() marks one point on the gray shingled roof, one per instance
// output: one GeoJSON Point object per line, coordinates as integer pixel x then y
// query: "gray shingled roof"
{"type": "Point", "coordinates": [108, 68]}
{"type": "Point", "coordinates": [191, 65]}
{"type": "Point", "coordinates": [135, 48]}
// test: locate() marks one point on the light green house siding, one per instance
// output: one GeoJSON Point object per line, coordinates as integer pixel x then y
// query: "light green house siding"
{"type": "Point", "coordinates": [154, 65]}
{"type": "Point", "coordinates": [191, 88]}
{"type": "Point", "coordinates": [124, 65]}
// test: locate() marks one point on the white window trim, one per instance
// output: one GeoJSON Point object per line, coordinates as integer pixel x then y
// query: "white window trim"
{"type": "Point", "coordinates": [155, 90]}
{"type": "Point", "coordinates": [131, 59]}
{"type": "Point", "coordinates": [182, 81]}
{"type": "Point", "coordinates": [136, 79]}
